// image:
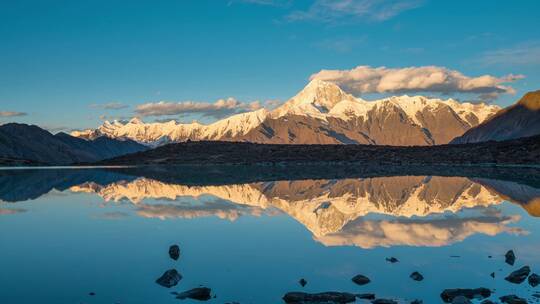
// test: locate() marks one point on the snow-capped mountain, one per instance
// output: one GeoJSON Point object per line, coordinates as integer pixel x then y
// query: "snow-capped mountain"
{"type": "Point", "coordinates": [321, 113]}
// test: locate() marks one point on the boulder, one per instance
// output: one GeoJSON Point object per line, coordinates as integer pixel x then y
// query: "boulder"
{"type": "Point", "coordinates": [383, 301]}
{"type": "Point", "coordinates": [461, 300]}
{"type": "Point", "coordinates": [392, 260]}
{"type": "Point", "coordinates": [510, 257]}
{"type": "Point", "coordinates": [366, 296]}
{"type": "Point", "coordinates": [512, 299]}
{"type": "Point", "coordinates": [169, 279]}
{"type": "Point", "coordinates": [416, 276]}
{"type": "Point", "coordinates": [199, 293]}
{"type": "Point", "coordinates": [323, 297]}
{"type": "Point", "coordinates": [449, 294]}
{"type": "Point", "coordinates": [518, 276]}
{"type": "Point", "coordinates": [534, 280]}
{"type": "Point", "coordinates": [361, 279]}
{"type": "Point", "coordinates": [174, 252]}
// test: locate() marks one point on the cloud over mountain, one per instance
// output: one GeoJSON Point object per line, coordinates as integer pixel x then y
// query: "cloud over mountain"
{"type": "Point", "coordinates": [110, 106]}
{"type": "Point", "coordinates": [12, 114]}
{"type": "Point", "coordinates": [218, 109]}
{"type": "Point", "coordinates": [435, 79]}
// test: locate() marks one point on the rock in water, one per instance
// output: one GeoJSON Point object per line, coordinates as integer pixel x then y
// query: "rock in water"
{"type": "Point", "coordinates": [366, 296]}
{"type": "Point", "coordinates": [361, 280]}
{"type": "Point", "coordinates": [461, 300]}
{"type": "Point", "coordinates": [169, 279]}
{"type": "Point", "coordinates": [518, 276]}
{"type": "Point", "coordinates": [416, 276]}
{"type": "Point", "coordinates": [534, 280]}
{"type": "Point", "coordinates": [199, 293]}
{"type": "Point", "coordinates": [383, 301]}
{"type": "Point", "coordinates": [302, 282]}
{"type": "Point", "coordinates": [174, 252]}
{"type": "Point", "coordinates": [417, 302]}
{"type": "Point", "coordinates": [510, 257]}
{"type": "Point", "coordinates": [487, 302]}
{"type": "Point", "coordinates": [448, 295]}
{"type": "Point", "coordinates": [323, 297]}
{"type": "Point", "coordinates": [392, 260]}
{"type": "Point", "coordinates": [512, 299]}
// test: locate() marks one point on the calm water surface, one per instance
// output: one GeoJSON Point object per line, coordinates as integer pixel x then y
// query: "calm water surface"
{"type": "Point", "coordinates": [67, 233]}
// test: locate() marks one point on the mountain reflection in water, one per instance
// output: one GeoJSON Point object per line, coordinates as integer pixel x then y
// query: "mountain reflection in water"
{"type": "Point", "coordinates": [366, 212]}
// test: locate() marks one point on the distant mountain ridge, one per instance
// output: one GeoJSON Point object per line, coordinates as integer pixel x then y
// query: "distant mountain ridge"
{"type": "Point", "coordinates": [519, 120]}
{"type": "Point", "coordinates": [321, 113]}
{"type": "Point", "coordinates": [29, 142]}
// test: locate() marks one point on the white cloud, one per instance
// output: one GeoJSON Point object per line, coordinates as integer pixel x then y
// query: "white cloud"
{"type": "Point", "coordinates": [110, 106]}
{"type": "Point", "coordinates": [12, 114]}
{"type": "Point", "coordinates": [218, 109]}
{"type": "Point", "coordinates": [522, 54]}
{"type": "Point", "coordinates": [331, 11]}
{"type": "Point", "coordinates": [435, 79]}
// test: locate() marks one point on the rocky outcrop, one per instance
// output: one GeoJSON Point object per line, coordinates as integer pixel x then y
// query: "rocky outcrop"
{"type": "Point", "coordinates": [519, 120]}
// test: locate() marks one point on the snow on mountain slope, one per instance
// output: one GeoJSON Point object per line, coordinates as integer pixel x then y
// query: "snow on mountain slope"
{"type": "Point", "coordinates": [320, 101]}
{"type": "Point", "coordinates": [160, 133]}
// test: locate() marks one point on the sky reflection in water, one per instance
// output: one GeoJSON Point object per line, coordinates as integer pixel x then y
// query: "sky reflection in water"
{"type": "Point", "coordinates": [66, 234]}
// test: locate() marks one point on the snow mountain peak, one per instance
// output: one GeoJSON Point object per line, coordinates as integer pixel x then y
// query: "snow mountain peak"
{"type": "Point", "coordinates": [320, 113]}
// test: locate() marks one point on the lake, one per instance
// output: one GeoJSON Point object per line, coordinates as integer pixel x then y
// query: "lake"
{"type": "Point", "coordinates": [103, 235]}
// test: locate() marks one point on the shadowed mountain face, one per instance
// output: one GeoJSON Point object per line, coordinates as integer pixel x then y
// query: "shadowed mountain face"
{"type": "Point", "coordinates": [519, 120]}
{"type": "Point", "coordinates": [26, 142]}
{"type": "Point", "coordinates": [365, 212]}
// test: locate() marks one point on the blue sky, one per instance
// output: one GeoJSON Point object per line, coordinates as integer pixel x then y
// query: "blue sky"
{"type": "Point", "coordinates": [69, 64]}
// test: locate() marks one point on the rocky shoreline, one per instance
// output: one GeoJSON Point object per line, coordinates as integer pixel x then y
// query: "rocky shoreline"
{"type": "Point", "coordinates": [523, 152]}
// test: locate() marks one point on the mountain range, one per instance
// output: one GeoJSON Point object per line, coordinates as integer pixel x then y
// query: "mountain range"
{"type": "Point", "coordinates": [28, 142]}
{"type": "Point", "coordinates": [321, 113]}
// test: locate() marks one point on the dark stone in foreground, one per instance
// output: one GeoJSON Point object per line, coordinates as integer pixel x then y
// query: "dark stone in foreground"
{"type": "Point", "coordinates": [384, 301]}
{"type": "Point", "coordinates": [392, 260]}
{"type": "Point", "coordinates": [417, 302]}
{"type": "Point", "coordinates": [534, 280]}
{"type": "Point", "coordinates": [512, 299]}
{"type": "Point", "coordinates": [449, 294]}
{"type": "Point", "coordinates": [510, 257]}
{"type": "Point", "coordinates": [487, 302]}
{"type": "Point", "coordinates": [518, 276]}
{"type": "Point", "coordinates": [302, 282]}
{"type": "Point", "coordinates": [323, 297]}
{"type": "Point", "coordinates": [366, 296]}
{"type": "Point", "coordinates": [199, 293]}
{"type": "Point", "coordinates": [461, 300]}
{"type": "Point", "coordinates": [169, 279]}
{"type": "Point", "coordinates": [416, 276]}
{"type": "Point", "coordinates": [174, 252]}
{"type": "Point", "coordinates": [361, 280]}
